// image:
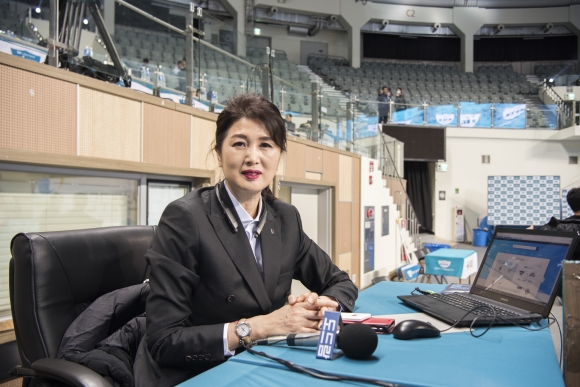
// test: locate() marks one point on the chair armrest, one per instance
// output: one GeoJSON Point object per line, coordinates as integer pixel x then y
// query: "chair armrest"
{"type": "Point", "coordinates": [64, 371]}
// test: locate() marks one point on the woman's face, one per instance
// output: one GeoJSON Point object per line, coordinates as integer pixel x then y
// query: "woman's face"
{"type": "Point", "coordinates": [249, 158]}
{"type": "Point", "coordinates": [398, 92]}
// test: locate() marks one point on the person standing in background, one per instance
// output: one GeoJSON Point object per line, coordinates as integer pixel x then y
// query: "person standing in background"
{"type": "Point", "coordinates": [290, 126]}
{"type": "Point", "coordinates": [384, 98]}
{"type": "Point", "coordinates": [400, 102]}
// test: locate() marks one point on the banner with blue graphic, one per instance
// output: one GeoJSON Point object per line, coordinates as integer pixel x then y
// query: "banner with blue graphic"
{"type": "Point", "coordinates": [15, 46]}
{"type": "Point", "coordinates": [367, 126]}
{"type": "Point", "coordinates": [509, 116]}
{"type": "Point", "coordinates": [445, 115]}
{"type": "Point", "coordinates": [411, 116]}
{"type": "Point", "coordinates": [475, 115]}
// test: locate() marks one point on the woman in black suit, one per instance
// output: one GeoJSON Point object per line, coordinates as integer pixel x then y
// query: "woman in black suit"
{"type": "Point", "coordinates": [224, 257]}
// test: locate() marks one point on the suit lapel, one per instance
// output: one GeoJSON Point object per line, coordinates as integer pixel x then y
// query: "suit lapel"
{"type": "Point", "coordinates": [238, 248]}
{"type": "Point", "coordinates": [270, 240]}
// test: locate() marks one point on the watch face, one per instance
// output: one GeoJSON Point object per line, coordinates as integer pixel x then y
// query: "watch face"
{"type": "Point", "coordinates": [243, 329]}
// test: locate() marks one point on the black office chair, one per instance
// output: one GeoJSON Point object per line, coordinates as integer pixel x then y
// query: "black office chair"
{"type": "Point", "coordinates": [54, 276]}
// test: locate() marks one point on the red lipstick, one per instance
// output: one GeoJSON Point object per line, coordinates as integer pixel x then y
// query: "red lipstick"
{"type": "Point", "coordinates": [251, 174]}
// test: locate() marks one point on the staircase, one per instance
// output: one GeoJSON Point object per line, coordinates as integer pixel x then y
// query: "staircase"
{"type": "Point", "coordinates": [325, 88]}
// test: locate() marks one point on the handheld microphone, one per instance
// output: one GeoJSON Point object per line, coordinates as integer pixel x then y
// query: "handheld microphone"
{"type": "Point", "coordinates": [357, 341]}
{"type": "Point", "coordinates": [293, 340]}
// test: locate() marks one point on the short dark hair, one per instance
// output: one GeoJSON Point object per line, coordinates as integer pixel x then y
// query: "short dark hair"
{"type": "Point", "coordinates": [289, 115]}
{"type": "Point", "coordinates": [255, 107]}
{"type": "Point", "coordinates": [145, 60]}
{"type": "Point", "coordinates": [573, 199]}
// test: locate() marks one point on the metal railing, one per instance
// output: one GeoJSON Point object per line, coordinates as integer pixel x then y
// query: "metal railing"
{"type": "Point", "coordinates": [402, 200]}
{"type": "Point", "coordinates": [564, 113]}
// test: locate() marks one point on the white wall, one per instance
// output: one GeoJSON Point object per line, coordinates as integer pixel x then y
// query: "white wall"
{"type": "Point", "coordinates": [561, 91]}
{"type": "Point", "coordinates": [337, 41]}
{"type": "Point", "coordinates": [513, 152]}
{"type": "Point", "coordinates": [387, 248]}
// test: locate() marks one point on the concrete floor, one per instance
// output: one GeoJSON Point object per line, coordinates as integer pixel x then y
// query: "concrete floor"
{"type": "Point", "coordinates": [556, 309]}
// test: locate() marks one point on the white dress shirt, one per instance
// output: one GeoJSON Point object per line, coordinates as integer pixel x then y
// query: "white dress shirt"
{"type": "Point", "coordinates": [249, 224]}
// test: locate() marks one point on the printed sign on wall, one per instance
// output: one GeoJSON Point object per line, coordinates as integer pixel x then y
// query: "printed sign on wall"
{"type": "Point", "coordinates": [411, 116]}
{"type": "Point", "coordinates": [369, 225]}
{"type": "Point", "coordinates": [445, 115]}
{"type": "Point", "coordinates": [566, 210]}
{"type": "Point", "coordinates": [509, 115]}
{"type": "Point", "coordinates": [475, 115]}
{"type": "Point", "coordinates": [522, 200]}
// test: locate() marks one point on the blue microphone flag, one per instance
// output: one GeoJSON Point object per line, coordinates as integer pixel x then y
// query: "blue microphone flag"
{"type": "Point", "coordinates": [328, 332]}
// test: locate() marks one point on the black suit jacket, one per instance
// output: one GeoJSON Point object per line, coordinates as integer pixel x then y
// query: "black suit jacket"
{"type": "Point", "coordinates": [203, 274]}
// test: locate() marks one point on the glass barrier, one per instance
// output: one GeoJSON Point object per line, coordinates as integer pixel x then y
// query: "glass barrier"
{"type": "Point", "coordinates": [475, 115]}
{"type": "Point", "coordinates": [442, 115]}
{"type": "Point", "coordinates": [227, 63]}
{"type": "Point", "coordinates": [336, 128]}
{"type": "Point", "coordinates": [295, 104]}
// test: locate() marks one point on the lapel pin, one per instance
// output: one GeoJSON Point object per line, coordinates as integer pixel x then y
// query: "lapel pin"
{"type": "Point", "coordinates": [272, 230]}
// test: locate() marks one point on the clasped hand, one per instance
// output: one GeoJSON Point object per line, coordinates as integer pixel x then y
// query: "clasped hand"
{"type": "Point", "coordinates": [304, 313]}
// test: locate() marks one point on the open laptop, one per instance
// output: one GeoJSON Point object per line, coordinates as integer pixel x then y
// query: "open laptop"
{"type": "Point", "coordinates": [520, 276]}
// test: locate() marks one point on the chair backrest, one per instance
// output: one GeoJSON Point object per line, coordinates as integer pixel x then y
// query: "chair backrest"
{"type": "Point", "coordinates": [54, 276]}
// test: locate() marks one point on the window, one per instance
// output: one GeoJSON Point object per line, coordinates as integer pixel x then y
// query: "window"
{"type": "Point", "coordinates": [160, 194]}
{"type": "Point", "coordinates": [42, 201]}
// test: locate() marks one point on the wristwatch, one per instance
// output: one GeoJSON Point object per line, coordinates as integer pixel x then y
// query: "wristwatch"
{"type": "Point", "coordinates": [243, 330]}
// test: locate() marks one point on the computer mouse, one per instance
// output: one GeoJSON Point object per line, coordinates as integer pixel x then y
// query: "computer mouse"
{"type": "Point", "coordinates": [414, 329]}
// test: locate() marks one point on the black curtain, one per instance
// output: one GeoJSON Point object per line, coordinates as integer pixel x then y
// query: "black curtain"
{"type": "Point", "coordinates": [520, 49]}
{"type": "Point", "coordinates": [384, 46]}
{"type": "Point", "coordinates": [419, 191]}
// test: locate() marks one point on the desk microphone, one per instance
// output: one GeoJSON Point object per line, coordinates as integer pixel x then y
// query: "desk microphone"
{"type": "Point", "coordinates": [357, 341]}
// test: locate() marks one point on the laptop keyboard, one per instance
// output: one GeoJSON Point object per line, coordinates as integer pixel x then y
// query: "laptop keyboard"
{"type": "Point", "coordinates": [467, 303]}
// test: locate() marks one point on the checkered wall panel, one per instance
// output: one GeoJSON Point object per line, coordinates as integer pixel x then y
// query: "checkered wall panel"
{"type": "Point", "coordinates": [566, 210]}
{"type": "Point", "coordinates": [522, 200]}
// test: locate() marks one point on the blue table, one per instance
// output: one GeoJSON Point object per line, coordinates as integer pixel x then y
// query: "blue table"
{"type": "Point", "coordinates": [505, 356]}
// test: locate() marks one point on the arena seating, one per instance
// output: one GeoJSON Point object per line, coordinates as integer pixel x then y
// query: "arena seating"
{"type": "Point", "coordinates": [8, 18]}
{"type": "Point", "coordinates": [223, 74]}
{"type": "Point", "coordinates": [552, 70]}
{"type": "Point", "coordinates": [425, 83]}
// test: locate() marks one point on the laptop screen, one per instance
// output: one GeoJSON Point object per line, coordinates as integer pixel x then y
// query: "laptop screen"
{"type": "Point", "coordinates": [523, 266]}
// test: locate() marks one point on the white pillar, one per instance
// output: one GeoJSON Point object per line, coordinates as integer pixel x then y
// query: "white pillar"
{"type": "Point", "coordinates": [109, 15]}
{"type": "Point", "coordinates": [237, 9]}
{"type": "Point", "coordinates": [466, 22]}
{"type": "Point", "coordinates": [354, 41]}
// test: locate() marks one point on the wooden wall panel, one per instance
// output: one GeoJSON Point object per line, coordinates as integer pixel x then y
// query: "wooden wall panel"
{"type": "Point", "coordinates": [345, 178]}
{"type": "Point", "coordinates": [356, 179]}
{"type": "Point", "coordinates": [344, 223]}
{"type": "Point", "coordinates": [109, 126]}
{"type": "Point", "coordinates": [166, 136]}
{"type": "Point", "coordinates": [314, 159]}
{"type": "Point", "coordinates": [313, 175]}
{"type": "Point", "coordinates": [202, 136]}
{"type": "Point", "coordinates": [355, 226]}
{"type": "Point", "coordinates": [295, 160]}
{"type": "Point", "coordinates": [37, 112]}
{"type": "Point", "coordinates": [330, 166]}
{"type": "Point", "coordinates": [355, 267]}
{"type": "Point", "coordinates": [345, 262]}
